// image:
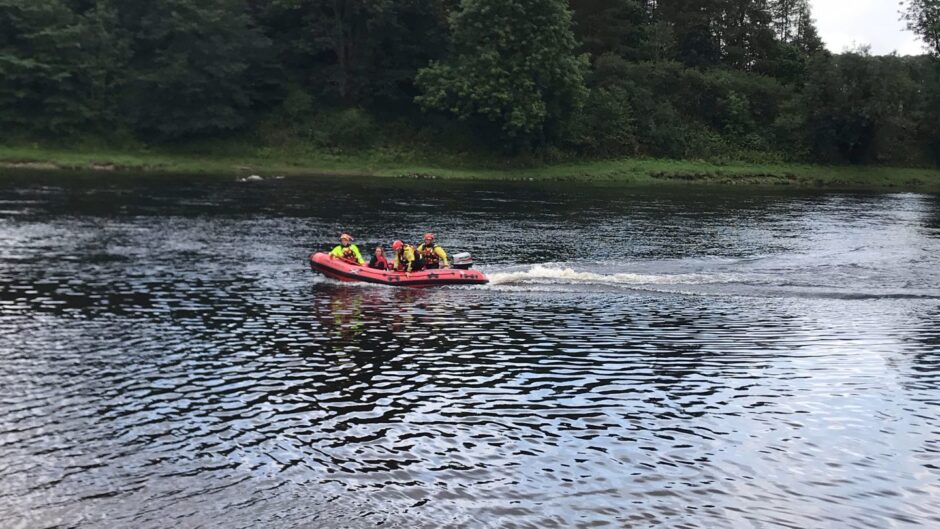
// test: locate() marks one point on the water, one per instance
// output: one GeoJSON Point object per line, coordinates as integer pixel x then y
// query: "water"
{"type": "Point", "coordinates": [676, 358]}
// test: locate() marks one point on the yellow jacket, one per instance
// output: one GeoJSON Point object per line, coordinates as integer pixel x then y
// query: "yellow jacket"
{"type": "Point", "coordinates": [406, 254]}
{"type": "Point", "coordinates": [349, 253]}
{"type": "Point", "coordinates": [432, 252]}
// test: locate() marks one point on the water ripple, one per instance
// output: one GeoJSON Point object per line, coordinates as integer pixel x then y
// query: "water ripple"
{"type": "Point", "coordinates": [205, 379]}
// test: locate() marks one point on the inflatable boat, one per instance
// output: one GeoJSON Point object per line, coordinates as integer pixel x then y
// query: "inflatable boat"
{"type": "Point", "coordinates": [342, 270]}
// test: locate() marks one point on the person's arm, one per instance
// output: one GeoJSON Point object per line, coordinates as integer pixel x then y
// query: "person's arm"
{"type": "Point", "coordinates": [355, 250]}
{"type": "Point", "coordinates": [337, 251]}
{"type": "Point", "coordinates": [410, 258]}
{"type": "Point", "coordinates": [443, 255]}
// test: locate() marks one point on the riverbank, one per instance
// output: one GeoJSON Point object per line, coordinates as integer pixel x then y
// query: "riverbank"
{"type": "Point", "coordinates": [627, 171]}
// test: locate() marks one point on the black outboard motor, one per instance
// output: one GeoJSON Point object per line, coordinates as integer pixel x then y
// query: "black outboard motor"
{"type": "Point", "coordinates": [462, 261]}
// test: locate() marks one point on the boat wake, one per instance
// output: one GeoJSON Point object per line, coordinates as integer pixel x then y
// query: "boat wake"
{"type": "Point", "coordinates": [719, 279]}
{"type": "Point", "coordinates": [560, 274]}
{"type": "Point", "coordinates": [694, 277]}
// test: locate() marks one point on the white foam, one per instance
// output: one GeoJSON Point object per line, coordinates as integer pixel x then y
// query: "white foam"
{"type": "Point", "coordinates": [541, 274]}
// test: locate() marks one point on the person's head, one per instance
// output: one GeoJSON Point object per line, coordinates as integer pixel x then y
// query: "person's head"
{"type": "Point", "coordinates": [428, 238]}
{"type": "Point", "coordinates": [345, 239]}
{"type": "Point", "coordinates": [397, 246]}
{"type": "Point", "coordinates": [380, 251]}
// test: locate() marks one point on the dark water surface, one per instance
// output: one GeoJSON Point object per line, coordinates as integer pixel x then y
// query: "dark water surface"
{"type": "Point", "coordinates": [674, 358]}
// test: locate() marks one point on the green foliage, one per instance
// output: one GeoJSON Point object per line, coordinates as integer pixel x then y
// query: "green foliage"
{"type": "Point", "coordinates": [56, 67]}
{"type": "Point", "coordinates": [621, 27]}
{"type": "Point", "coordinates": [923, 18]}
{"type": "Point", "coordinates": [352, 52]}
{"type": "Point", "coordinates": [793, 24]}
{"type": "Point", "coordinates": [930, 116]}
{"type": "Point", "coordinates": [604, 127]}
{"type": "Point", "coordinates": [298, 105]}
{"type": "Point", "coordinates": [514, 64]}
{"type": "Point", "coordinates": [106, 54]}
{"type": "Point", "coordinates": [925, 112]}
{"type": "Point", "coordinates": [788, 130]}
{"type": "Point", "coordinates": [349, 129]}
{"type": "Point", "coordinates": [299, 124]}
{"type": "Point", "coordinates": [191, 65]}
{"type": "Point", "coordinates": [859, 108]}
{"type": "Point", "coordinates": [685, 112]}
{"type": "Point", "coordinates": [747, 40]}
{"type": "Point", "coordinates": [544, 79]}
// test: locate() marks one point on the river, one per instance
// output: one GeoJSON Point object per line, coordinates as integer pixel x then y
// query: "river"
{"type": "Point", "coordinates": [687, 357]}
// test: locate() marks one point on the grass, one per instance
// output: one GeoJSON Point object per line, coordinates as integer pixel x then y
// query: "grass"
{"type": "Point", "coordinates": [389, 164]}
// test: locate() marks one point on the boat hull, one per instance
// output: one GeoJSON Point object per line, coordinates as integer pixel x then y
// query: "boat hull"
{"type": "Point", "coordinates": [341, 270]}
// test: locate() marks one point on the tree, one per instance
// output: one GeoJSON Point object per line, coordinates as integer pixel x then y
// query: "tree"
{"type": "Point", "coordinates": [613, 26]}
{"type": "Point", "coordinates": [513, 64]}
{"type": "Point", "coordinates": [694, 23]}
{"type": "Point", "coordinates": [746, 37]}
{"type": "Point", "coordinates": [604, 127]}
{"type": "Point", "coordinates": [736, 33]}
{"type": "Point", "coordinates": [353, 52]}
{"type": "Point", "coordinates": [925, 71]}
{"type": "Point", "coordinates": [860, 108]}
{"type": "Point", "coordinates": [806, 37]}
{"type": "Point", "coordinates": [106, 51]}
{"type": "Point", "coordinates": [192, 65]}
{"type": "Point", "coordinates": [797, 40]}
{"type": "Point", "coordinates": [923, 18]}
{"type": "Point", "coordinates": [41, 79]}
{"type": "Point", "coordinates": [793, 24]}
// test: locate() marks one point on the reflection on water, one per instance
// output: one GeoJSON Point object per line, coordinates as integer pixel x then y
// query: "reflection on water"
{"type": "Point", "coordinates": [641, 358]}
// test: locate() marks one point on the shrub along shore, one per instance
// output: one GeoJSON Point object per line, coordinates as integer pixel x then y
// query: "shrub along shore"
{"type": "Point", "coordinates": [519, 88]}
{"type": "Point", "coordinates": [633, 171]}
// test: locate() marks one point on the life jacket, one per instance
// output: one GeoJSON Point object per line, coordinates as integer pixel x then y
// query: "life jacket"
{"type": "Point", "coordinates": [430, 256]}
{"type": "Point", "coordinates": [400, 257]}
{"type": "Point", "coordinates": [349, 253]}
{"type": "Point", "coordinates": [378, 263]}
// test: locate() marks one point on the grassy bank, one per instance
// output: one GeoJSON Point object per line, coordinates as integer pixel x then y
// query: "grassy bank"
{"type": "Point", "coordinates": [629, 171]}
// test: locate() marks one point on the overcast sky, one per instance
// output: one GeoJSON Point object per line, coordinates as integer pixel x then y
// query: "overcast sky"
{"type": "Point", "coordinates": [844, 23]}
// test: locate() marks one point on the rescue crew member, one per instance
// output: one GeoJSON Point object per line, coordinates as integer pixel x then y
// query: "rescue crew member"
{"type": "Point", "coordinates": [406, 258]}
{"type": "Point", "coordinates": [378, 260]}
{"type": "Point", "coordinates": [347, 251]}
{"type": "Point", "coordinates": [434, 256]}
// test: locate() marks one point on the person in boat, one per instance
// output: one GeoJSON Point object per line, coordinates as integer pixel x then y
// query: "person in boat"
{"type": "Point", "coordinates": [406, 258]}
{"type": "Point", "coordinates": [378, 260]}
{"type": "Point", "coordinates": [433, 255]}
{"type": "Point", "coordinates": [347, 251]}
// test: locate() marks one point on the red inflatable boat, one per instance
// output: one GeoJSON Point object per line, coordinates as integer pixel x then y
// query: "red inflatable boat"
{"type": "Point", "coordinates": [342, 270]}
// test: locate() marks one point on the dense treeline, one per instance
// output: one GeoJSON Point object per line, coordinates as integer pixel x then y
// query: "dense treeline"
{"type": "Point", "coordinates": [583, 78]}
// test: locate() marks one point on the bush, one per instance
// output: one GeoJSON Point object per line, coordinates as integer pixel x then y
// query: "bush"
{"type": "Point", "coordinates": [860, 108]}
{"type": "Point", "coordinates": [686, 113]}
{"type": "Point", "coordinates": [604, 127]}
{"type": "Point", "coordinates": [347, 129]}
{"type": "Point", "coordinates": [297, 106]}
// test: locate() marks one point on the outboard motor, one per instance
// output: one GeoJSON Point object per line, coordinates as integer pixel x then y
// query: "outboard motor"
{"type": "Point", "coordinates": [462, 261]}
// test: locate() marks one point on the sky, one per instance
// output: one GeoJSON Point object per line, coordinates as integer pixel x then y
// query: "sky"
{"type": "Point", "coordinates": [845, 23]}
